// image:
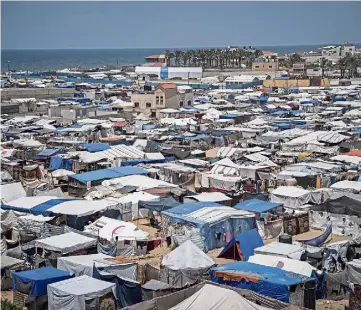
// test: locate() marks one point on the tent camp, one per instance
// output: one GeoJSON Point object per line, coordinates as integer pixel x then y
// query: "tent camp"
{"type": "Point", "coordinates": [185, 265]}
{"type": "Point", "coordinates": [242, 246]}
{"type": "Point", "coordinates": [269, 281]}
{"type": "Point", "coordinates": [81, 293]}
{"type": "Point", "coordinates": [211, 297]}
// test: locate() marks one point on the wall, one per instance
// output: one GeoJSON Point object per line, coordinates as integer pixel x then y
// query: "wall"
{"type": "Point", "coordinates": [142, 99]}
{"type": "Point", "coordinates": [37, 93]}
{"type": "Point", "coordinates": [171, 98]}
{"type": "Point", "coordinates": [293, 83]}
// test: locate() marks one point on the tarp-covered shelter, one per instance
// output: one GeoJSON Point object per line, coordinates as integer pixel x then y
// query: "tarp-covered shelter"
{"type": "Point", "coordinates": [242, 246]}
{"type": "Point", "coordinates": [269, 281]}
{"type": "Point", "coordinates": [211, 297]}
{"type": "Point", "coordinates": [290, 196]}
{"type": "Point", "coordinates": [39, 278]}
{"type": "Point", "coordinates": [185, 265]}
{"type": "Point", "coordinates": [206, 224]}
{"type": "Point", "coordinates": [256, 205]}
{"type": "Point", "coordinates": [160, 205]}
{"type": "Point", "coordinates": [83, 265]}
{"type": "Point", "coordinates": [82, 293]}
{"type": "Point", "coordinates": [66, 243]}
{"type": "Point", "coordinates": [281, 249]}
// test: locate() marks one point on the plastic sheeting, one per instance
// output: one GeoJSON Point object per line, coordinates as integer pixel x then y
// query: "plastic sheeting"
{"type": "Point", "coordinates": [290, 196]}
{"type": "Point", "coordinates": [77, 293]}
{"type": "Point", "coordinates": [211, 297]}
{"type": "Point", "coordinates": [128, 292]}
{"type": "Point", "coordinates": [39, 279]}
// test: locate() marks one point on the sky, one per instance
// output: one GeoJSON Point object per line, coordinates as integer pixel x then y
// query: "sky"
{"type": "Point", "coordinates": [76, 25]}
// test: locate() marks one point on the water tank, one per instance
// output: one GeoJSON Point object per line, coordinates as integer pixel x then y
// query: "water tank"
{"type": "Point", "coordinates": [285, 239]}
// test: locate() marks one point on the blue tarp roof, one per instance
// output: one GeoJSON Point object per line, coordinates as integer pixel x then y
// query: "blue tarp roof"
{"type": "Point", "coordinates": [299, 122]}
{"type": "Point", "coordinates": [41, 208]}
{"type": "Point", "coordinates": [272, 282]}
{"type": "Point", "coordinates": [108, 173]}
{"type": "Point", "coordinates": [95, 147]}
{"type": "Point", "coordinates": [357, 131]}
{"type": "Point", "coordinates": [247, 241]}
{"type": "Point", "coordinates": [40, 278]}
{"type": "Point", "coordinates": [282, 125]}
{"type": "Point", "coordinates": [49, 152]}
{"type": "Point", "coordinates": [256, 205]}
{"type": "Point", "coordinates": [161, 205]}
{"type": "Point", "coordinates": [190, 207]}
{"type": "Point", "coordinates": [228, 116]}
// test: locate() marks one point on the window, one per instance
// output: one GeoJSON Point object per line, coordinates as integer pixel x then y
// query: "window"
{"type": "Point", "coordinates": [270, 67]}
{"type": "Point", "coordinates": [257, 67]}
{"type": "Point", "coordinates": [181, 103]}
{"type": "Point", "coordinates": [136, 105]}
{"type": "Point", "coordinates": [189, 102]}
{"type": "Point", "coordinates": [162, 100]}
{"type": "Point", "coordinates": [157, 100]}
{"type": "Point", "coordinates": [148, 105]}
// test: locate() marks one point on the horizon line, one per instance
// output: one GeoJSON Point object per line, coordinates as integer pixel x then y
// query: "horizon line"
{"type": "Point", "coordinates": [176, 47]}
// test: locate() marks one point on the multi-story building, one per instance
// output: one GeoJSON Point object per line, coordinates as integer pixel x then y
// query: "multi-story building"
{"type": "Point", "coordinates": [265, 64]}
{"type": "Point", "coordinates": [166, 95]}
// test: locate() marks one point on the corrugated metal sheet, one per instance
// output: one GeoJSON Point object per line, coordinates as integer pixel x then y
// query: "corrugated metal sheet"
{"type": "Point", "coordinates": [122, 151]}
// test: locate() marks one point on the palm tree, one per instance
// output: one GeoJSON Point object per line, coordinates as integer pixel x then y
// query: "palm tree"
{"type": "Point", "coordinates": [177, 57]}
{"type": "Point", "coordinates": [168, 56]}
{"type": "Point", "coordinates": [323, 64]}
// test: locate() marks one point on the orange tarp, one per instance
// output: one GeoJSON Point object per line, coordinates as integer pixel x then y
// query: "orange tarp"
{"type": "Point", "coordinates": [354, 153]}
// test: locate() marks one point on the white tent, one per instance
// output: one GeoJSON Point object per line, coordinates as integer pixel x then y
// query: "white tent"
{"type": "Point", "coordinates": [211, 297]}
{"type": "Point", "coordinates": [187, 256]}
{"type": "Point", "coordinates": [83, 265]}
{"type": "Point", "coordinates": [348, 186]}
{"type": "Point", "coordinates": [107, 228]}
{"type": "Point", "coordinates": [185, 265]}
{"type": "Point", "coordinates": [79, 293]}
{"type": "Point", "coordinates": [284, 263]}
{"type": "Point", "coordinates": [66, 243]}
{"type": "Point", "coordinates": [290, 196]}
{"type": "Point", "coordinates": [280, 249]}
{"type": "Point", "coordinates": [11, 192]}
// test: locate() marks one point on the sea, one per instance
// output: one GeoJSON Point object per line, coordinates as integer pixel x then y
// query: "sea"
{"type": "Point", "coordinates": [56, 59]}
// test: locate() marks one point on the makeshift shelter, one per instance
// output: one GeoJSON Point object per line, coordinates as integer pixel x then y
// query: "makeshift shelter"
{"type": "Point", "coordinates": [126, 237]}
{"type": "Point", "coordinates": [185, 265]}
{"type": "Point", "coordinates": [343, 213]}
{"type": "Point", "coordinates": [242, 246]}
{"type": "Point", "coordinates": [66, 243]}
{"type": "Point", "coordinates": [83, 265]}
{"type": "Point", "coordinates": [128, 292]}
{"type": "Point", "coordinates": [290, 196]}
{"type": "Point", "coordinates": [82, 293]}
{"type": "Point", "coordinates": [154, 288]}
{"type": "Point", "coordinates": [8, 265]}
{"type": "Point", "coordinates": [256, 205]}
{"type": "Point", "coordinates": [80, 183]}
{"type": "Point", "coordinates": [210, 197]}
{"type": "Point", "coordinates": [269, 281]}
{"type": "Point", "coordinates": [160, 205]}
{"type": "Point", "coordinates": [207, 224]}
{"type": "Point", "coordinates": [30, 287]}
{"type": "Point", "coordinates": [211, 297]}
{"type": "Point", "coordinates": [281, 249]}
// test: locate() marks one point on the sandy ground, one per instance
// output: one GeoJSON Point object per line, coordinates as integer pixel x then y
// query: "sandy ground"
{"type": "Point", "coordinates": [155, 256]}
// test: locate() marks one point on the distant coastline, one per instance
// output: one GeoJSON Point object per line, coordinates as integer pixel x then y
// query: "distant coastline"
{"type": "Point", "coordinates": [55, 59]}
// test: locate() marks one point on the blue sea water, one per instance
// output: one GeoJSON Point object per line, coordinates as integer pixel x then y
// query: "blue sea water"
{"type": "Point", "coordinates": [41, 60]}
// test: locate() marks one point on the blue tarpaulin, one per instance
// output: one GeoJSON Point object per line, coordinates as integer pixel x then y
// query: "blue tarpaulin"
{"type": "Point", "coordinates": [228, 116]}
{"type": "Point", "coordinates": [48, 152]}
{"type": "Point", "coordinates": [256, 205]}
{"type": "Point", "coordinates": [142, 161]}
{"type": "Point", "coordinates": [95, 147]}
{"type": "Point", "coordinates": [271, 281]}
{"type": "Point", "coordinates": [60, 163]}
{"type": "Point", "coordinates": [299, 122]}
{"type": "Point", "coordinates": [282, 125]}
{"type": "Point", "coordinates": [161, 205]}
{"type": "Point", "coordinates": [107, 173]}
{"type": "Point", "coordinates": [190, 207]}
{"type": "Point", "coordinates": [40, 278]}
{"type": "Point", "coordinates": [43, 207]}
{"type": "Point", "coordinates": [242, 246]}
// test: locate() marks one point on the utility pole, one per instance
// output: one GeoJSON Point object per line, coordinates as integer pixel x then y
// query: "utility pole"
{"type": "Point", "coordinates": [9, 69]}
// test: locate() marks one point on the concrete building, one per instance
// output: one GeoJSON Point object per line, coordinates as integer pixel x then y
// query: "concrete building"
{"type": "Point", "coordinates": [71, 112]}
{"type": "Point", "coordinates": [166, 95]}
{"type": "Point", "coordinates": [155, 59]}
{"type": "Point", "coordinates": [299, 69]}
{"type": "Point", "coordinates": [265, 65]}
{"type": "Point", "coordinates": [37, 93]}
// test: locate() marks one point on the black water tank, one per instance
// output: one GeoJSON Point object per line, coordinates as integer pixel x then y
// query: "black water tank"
{"type": "Point", "coordinates": [285, 239]}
